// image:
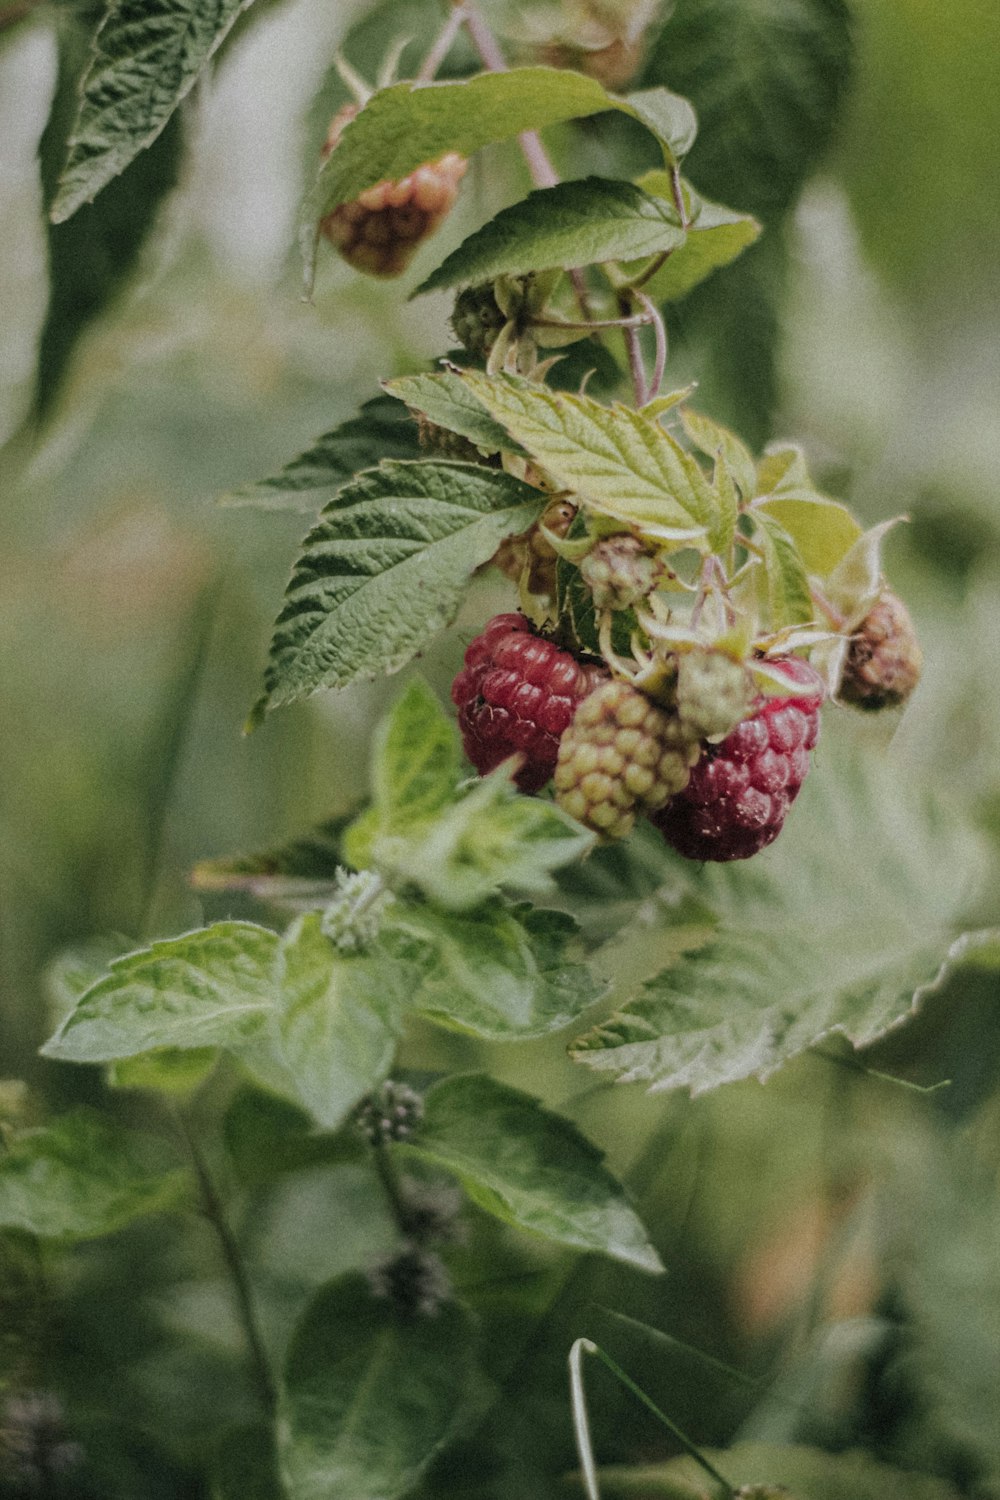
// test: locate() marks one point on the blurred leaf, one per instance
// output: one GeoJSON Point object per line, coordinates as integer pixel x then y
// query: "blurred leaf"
{"type": "Point", "coordinates": [768, 81]}
{"type": "Point", "coordinates": [169, 1071]}
{"type": "Point", "coordinates": [385, 568]}
{"type": "Point", "coordinates": [841, 928]}
{"type": "Point", "coordinates": [213, 987]}
{"type": "Point", "coordinates": [497, 973]}
{"type": "Point", "coordinates": [369, 1396]}
{"type": "Point", "coordinates": [147, 57]}
{"type": "Point", "coordinates": [380, 430]}
{"type": "Point", "coordinates": [578, 223]}
{"type": "Point", "coordinates": [246, 1466]}
{"type": "Point", "coordinates": [715, 237]}
{"type": "Point", "coordinates": [621, 463]}
{"type": "Point", "coordinates": [789, 601]}
{"type": "Point", "coordinates": [806, 1474]}
{"type": "Point", "coordinates": [266, 1136]}
{"type": "Point", "coordinates": [92, 259]}
{"type": "Point", "coordinates": [854, 585]}
{"type": "Point", "coordinates": [80, 1178]}
{"type": "Point", "coordinates": [529, 1167]}
{"type": "Point", "coordinates": [823, 530]}
{"type": "Point", "coordinates": [446, 400]}
{"type": "Point", "coordinates": [300, 872]}
{"type": "Point", "coordinates": [408, 124]}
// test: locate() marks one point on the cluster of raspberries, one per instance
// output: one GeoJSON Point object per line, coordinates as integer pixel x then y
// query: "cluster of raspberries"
{"type": "Point", "coordinates": [614, 753]}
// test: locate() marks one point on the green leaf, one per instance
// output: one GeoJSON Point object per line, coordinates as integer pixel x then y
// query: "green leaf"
{"type": "Point", "coordinates": [93, 259]}
{"type": "Point", "coordinates": [491, 838]}
{"type": "Point", "coordinates": [380, 430]}
{"type": "Point", "coordinates": [299, 873]}
{"type": "Point", "coordinates": [385, 567]}
{"type": "Point", "coordinates": [170, 1071]}
{"type": "Point", "coordinates": [79, 1178]}
{"type": "Point", "coordinates": [669, 116]}
{"type": "Point", "coordinates": [246, 1465]}
{"type": "Point", "coordinates": [415, 760]}
{"type": "Point", "coordinates": [789, 601]}
{"type": "Point", "coordinates": [369, 1396]}
{"type": "Point", "coordinates": [768, 82]}
{"type": "Point", "coordinates": [823, 530]}
{"type": "Point", "coordinates": [572, 224]}
{"type": "Point", "coordinates": [855, 583]}
{"type": "Point", "coordinates": [266, 1136]}
{"type": "Point", "coordinates": [618, 461]}
{"type": "Point", "coordinates": [336, 1021]}
{"type": "Point", "coordinates": [805, 1473]}
{"type": "Point", "coordinates": [529, 1167]}
{"type": "Point", "coordinates": [841, 928]}
{"type": "Point", "coordinates": [497, 973]}
{"type": "Point", "coordinates": [712, 439]}
{"type": "Point", "coordinates": [408, 124]}
{"type": "Point", "coordinates": [715, 237]}
{"type": "Point", "coordinates": [445, 399]}
{"type": "Point", "coordinates": [148, 55]}
{"type": "Point", "coordinates": [213, 987]}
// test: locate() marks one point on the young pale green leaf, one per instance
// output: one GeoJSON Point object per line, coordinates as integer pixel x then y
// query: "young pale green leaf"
{"type": "Point", "coordinates": [380, 430]}
{"type": "Point", "coordinates": [572, 224]}
{"type": "Point", "coordinates": [148, 55]}
{"type": "Point", "coordinates": [169, 1071]}
{"type": "Point", "coordinates": [416, 764]}
{"type": "Point", "coordinates": [715, 237]}
{"type": "Point", "coordinates": [445, 399]}
{"type": "Point", "coordinates": [782, 1471]}
{"type": "Point", "coordinates": [789, 601]}
{"type": "Point", "coordinates": [856, 582]}
{"type": "Point", "coordinates": [213, 987]}
{"type": "Point", "coordinates": [335, 1023]}
{"type": "Point", "coordinates": [490, 838]}
{"type": "Point", "coordinates": [529, 1167]}
{"type": "Point", "coordinates": [297, 874]}
{"type": "Point", "coordinates": [385, 568]}
{"type": "Point", "coordinates": [767, 81]}
{"type": "Point", "coordinates": [370, 1395]}
{"type": "Point", "coordinates": [79, 1178]}
{"type": "Point", "coordinates": [823, 530]}
{"type": "Point", "coordinates": [841, 928]}
{"type": "Point", "coordinates": [408, 124]}
{"type": "Point", "coordinates": [618, 461]}
{"type": "Point", "coordinates": [497, 973]}
{"type": "Point", "coordinates": [711, 438]}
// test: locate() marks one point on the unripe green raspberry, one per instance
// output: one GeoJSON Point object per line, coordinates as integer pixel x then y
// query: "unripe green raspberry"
{"type": "Point", "coordinates": [621, 754]}
{"type": "Point", "coordinates": [884, 659]}
{"type": "Point", "coordinates": [477, 319]}
{"type": "Point", "coordinates": [619, 572]}
{"type": "Point", "coordinates": [713, 693]}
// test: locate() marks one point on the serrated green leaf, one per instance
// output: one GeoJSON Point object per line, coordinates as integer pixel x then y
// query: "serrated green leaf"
{"type": "Point", "coordinates": [369, 1396]}
{"type": "Point", "coordinates": [213, 987]}
{"type": "Point", "coordinates": [491, 838]}
{"type": "Point", "coordinates": [715, 236]}
{"type": "Point", "coordinates": [497, 973]}
{"type": "Point", "coordinates": [842, 927]}
{"type": "Point", "coordinates": [573, 224]}
{"type": "Point", "coordinates": [92, 259]}
{"type": "Point", "coordinates": [335, 1022]}
{"type": "Point", "coordinates": [711, 438]}
{"type": "Point", "coordinates": [856, 582]}
{"type": "Point", "coordinates": [767, 81]}
{"type": "Point", "coordinates": [823, 530]}
{"type": "Point", "coordinates": [415, 760]}
{"type": "Point", "coordinates": [445, 398]}
{"type": "Point", "coordinates": [796, 1473]}
{"type": "Point", "coordinates": [529, 1167]}
{"type": "Point", "coordinates": [298, 874]}
{"type": "Point", "coordinates": [385, 568]}
{"type": "Point", "coordinates": [408, 124]}
{"type": "Point", "coordinates": [619, 462]}
{"type": "Point", "coordinates": [380, 430]}
{"type": "Point", "coordinates": [79, 1178]}
{"type": "Point", "coordinates": [148, 55]}
{"type": "Point", "coordinates": [789, 601]}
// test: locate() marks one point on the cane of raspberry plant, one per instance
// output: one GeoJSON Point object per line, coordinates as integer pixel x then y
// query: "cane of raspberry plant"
{"type": "Point", "coordinates": [740, 791]}
{"type": "Point", "coordinates": [381, 229]}
{"type": "Point", "coordinates": [516, 695]}
{"type": "Point", "coordinates": [622, 754]}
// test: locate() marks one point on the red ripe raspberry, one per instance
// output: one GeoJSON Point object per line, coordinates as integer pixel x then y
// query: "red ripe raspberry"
{"type": "Point", "coordinates": [516, 694]}
{"type": "Point", "coordinates": [380, 230]}
{"type": "Point", "coordinates": [739, 792]}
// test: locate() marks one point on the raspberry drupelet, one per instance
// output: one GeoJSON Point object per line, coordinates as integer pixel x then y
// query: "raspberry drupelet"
{"type": "Point", "coordinates": [517, 693]}
{"type": "Point", "coordinates": [739, 792]}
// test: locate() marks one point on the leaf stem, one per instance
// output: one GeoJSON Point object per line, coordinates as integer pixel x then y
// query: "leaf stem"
{"type": "Point", "coordinates": [660, 332]}
{"type": "Point", "coordinates": [212, 1208]}
{"type": "Point", "coordinates": [389, 1177]}
{"type": "Point", "coordinates": [637, 368]}
{"type": "Point", "coordinates": [441, 46]}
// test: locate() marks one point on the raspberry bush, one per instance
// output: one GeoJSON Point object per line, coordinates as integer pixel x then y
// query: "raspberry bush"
{"type": "Point", "coordinates": [321, 1184]}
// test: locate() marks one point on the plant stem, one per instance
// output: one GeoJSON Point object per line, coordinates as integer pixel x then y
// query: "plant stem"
{"type": "Point", "coordinates": [677, 189]}
{"type": "Point", "coordinates": [389, 1177]}
{"type": "Point", "coordinates": [212, 1208]}
{"type": "Point", "coordinates": [636, 366]}
{"type": "Point", "coordinates": [660, 331]}
{"type": "Point", "coordinates": [442, 45]}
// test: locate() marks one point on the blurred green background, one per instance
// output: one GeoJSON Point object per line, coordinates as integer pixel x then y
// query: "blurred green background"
{"type": "Point", "coordinates": [134, 617]}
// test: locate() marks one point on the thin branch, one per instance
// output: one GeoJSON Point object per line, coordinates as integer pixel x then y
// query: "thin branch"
{"type": "Point", "coordinates": [660, 331]}
{"type": "Point", "coordinates": [636, 366]}
{"type": "Point", "coordinates": [212, 1208]}
{"type": "Point", "coordinates": [442, 45]}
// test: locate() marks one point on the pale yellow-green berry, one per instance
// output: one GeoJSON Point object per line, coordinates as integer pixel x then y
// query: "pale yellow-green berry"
{"type": "Point", "coordinates": [713, 693]}
{"type": "Point", "coordinates": [619, 571]}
